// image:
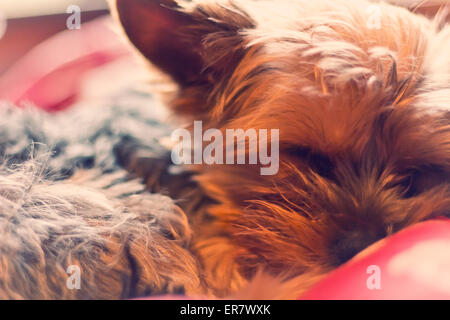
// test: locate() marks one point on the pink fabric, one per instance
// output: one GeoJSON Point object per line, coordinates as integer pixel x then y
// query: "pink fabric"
{"type": "Point", "coordinates": [412, 264]}
{"type": "Point", "coordinates": [50, 75]}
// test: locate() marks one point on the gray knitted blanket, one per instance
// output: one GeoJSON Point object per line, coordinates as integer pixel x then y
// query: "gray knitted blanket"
{"type": "Point", "coordinates": [73, 224]}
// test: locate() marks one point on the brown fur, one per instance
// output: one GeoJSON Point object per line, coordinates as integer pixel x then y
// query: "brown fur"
{"type": "Point", "coordinates": [363, 117]}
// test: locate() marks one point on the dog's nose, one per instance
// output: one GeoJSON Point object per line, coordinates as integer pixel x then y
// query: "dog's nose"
{"type": "Point", "coordinates": [349, 244]}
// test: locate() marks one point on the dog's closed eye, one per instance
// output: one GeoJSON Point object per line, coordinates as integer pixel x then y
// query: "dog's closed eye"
{"type": "Point", "coordinates": [420, 180]}
{"type": "Point", "coordinates": [408, 186]}
{"type": "Point", "coordinates": [318, 162]}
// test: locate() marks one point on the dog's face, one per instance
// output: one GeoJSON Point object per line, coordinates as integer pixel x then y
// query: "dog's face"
{"type": "Point", "coordinates": [362, 107]}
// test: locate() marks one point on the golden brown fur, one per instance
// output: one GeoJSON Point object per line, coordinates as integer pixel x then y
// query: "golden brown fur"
{"type": "Point", "coordinates": [363, 115]}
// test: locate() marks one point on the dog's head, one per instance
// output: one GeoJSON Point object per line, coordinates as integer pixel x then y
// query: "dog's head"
{"type": "Point", "coordinates": [360, 94]}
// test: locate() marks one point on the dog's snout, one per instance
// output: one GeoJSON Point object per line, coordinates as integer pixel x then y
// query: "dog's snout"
{"type": "Point", "coordinates": [350, 244]}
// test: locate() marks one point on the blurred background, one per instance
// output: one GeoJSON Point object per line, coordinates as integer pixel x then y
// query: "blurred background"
{"type": "Point", "coordinates": [25, 23]}
{"type": "Point", "coordinates": [55, 53]}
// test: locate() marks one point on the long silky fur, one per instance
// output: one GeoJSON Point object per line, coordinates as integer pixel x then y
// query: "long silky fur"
{"type": "Point", "coordinates": [364, 127]}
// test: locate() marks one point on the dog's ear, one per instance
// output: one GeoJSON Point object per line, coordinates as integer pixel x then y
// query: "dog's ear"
{"type": "Point", "coordinates": [192, 46]}
{"type": "Point", "coordinates": [156, 28]}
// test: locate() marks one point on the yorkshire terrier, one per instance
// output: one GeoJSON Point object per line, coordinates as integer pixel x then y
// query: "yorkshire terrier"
{"type": "Point", "coordinates": [360, 93]}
